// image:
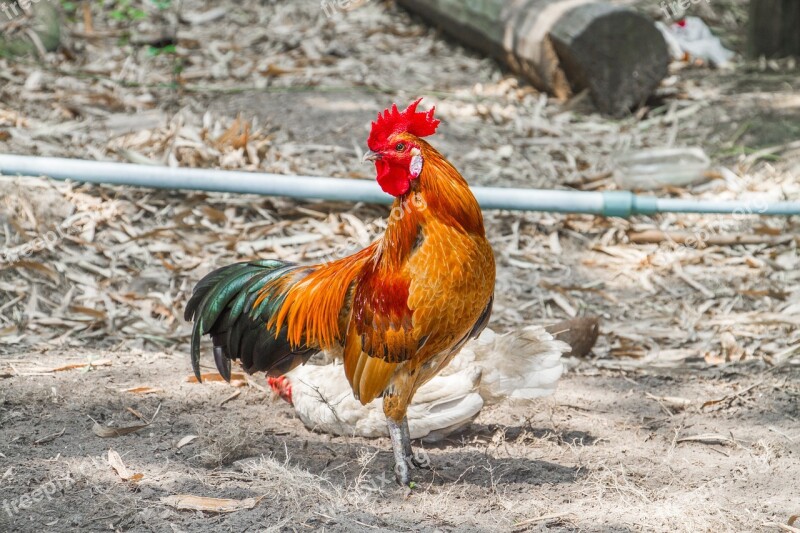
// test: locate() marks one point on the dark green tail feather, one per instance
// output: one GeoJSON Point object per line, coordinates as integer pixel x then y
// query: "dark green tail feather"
{"type": "Point", "coordinates": [222, 305]}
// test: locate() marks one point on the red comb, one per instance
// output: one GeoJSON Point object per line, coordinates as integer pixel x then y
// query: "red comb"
{"type": "Point", "coordinates": [281, 387]}
{"type": "Point", "coordinates": [276, 383]}
{"type": "Point", "coordinates": [393, 121]}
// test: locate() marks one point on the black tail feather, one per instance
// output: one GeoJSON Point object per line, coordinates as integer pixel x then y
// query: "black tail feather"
{"type": "Point", "coordinates": [223, 305]}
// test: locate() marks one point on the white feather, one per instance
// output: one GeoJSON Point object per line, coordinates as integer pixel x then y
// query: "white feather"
{"type": "Point", "coordinates": [522, 364]}
{"type": "Point", "coordinates": [489, 369]}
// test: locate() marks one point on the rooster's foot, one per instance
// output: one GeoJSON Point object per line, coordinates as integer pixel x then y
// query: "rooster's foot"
{"type": "Point", "coordinates": [419, 460]}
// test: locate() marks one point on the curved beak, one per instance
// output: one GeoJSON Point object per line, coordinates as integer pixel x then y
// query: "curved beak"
{"type": "Point", "coordinates": [370, 156]}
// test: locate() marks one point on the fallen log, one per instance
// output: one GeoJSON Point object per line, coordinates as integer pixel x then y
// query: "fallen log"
{"type": "Point", "coordinates": [562, 46]}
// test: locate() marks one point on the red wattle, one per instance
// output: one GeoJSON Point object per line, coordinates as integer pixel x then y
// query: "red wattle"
{"type": "Point", "coordinates": [393, 180]}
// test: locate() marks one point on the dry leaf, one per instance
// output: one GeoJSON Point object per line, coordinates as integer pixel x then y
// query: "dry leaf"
{"type": "Point", "coordinates": [236, 135]}
{"type": "Point", "coordinates": [50, 437]}
{"type": "Point", "coordinates": [74, 366]}
{"type": "Point", "coordinates": [709, 403]}
{"type": "Point", "coordinates": [714, 359]}
{"type": "Point", "coordinates": [8, 330]}
{"type": "Point", "coordinates": [119, 467]}
{"type": "Point", "coordinates": [142, 390]}
{"type": "Point", "coordinates": [673, 402]}
{"type": "Point", "coordinates": [187, 502]}
{"type": "Point", "coordinates": [544, 518]}
{"type": "Point", "coordinates": [733, 396]}
{"type": "Point", "coordinates": [100, 315]}
{"type": "Point", "coordinates": [185, 441]}
{"type": "Point", "coordinates": [708, 438]}
{"type": "Point", "coordinates": [231, 397]}
{"type": "Point", "coordinates": [782, 527]}
{"type": "Point", "coordinates": [37, 267]}
{"type": "Point", "coordinates": [105, 432]}
{"type": "Point", "coordinates": [237, 379]}
{"type": "Point", "coordinates": [730, 347]}
{"type": "Point", "coordinates": [136, 413]}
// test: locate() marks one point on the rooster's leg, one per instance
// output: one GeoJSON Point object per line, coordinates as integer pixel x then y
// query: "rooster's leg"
{"type": "Point", "coordinates": [418, 460]}
{"type": "Point", "coordinates": [407, 450]}
{"type": "Point", "coordinates": [397, 435]}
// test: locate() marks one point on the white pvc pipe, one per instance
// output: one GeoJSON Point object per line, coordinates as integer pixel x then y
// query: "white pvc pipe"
{"type": "Point", "coordinates": [749, 207]}
{"type": "Point", "coordinates": [302, 187]}
{"type": "Point", "coordinates": [609, 203]}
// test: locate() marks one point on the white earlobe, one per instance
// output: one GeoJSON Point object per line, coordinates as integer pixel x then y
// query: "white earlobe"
{"type": "Point", "coordinates": [415, 168]}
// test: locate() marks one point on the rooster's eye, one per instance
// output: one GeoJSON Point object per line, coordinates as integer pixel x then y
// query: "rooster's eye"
{"type": "Point", "coordinates": [400, 147]}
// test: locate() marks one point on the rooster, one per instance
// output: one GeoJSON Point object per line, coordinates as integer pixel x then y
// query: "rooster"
{"type": "Point", "coordinates": [490, 369]}
{"type": "Point", "coordinates": [396, 312]}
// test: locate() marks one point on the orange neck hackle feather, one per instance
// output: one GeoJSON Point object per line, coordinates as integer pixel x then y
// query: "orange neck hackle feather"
{"type": "Point", "coordinates": [447, 194]}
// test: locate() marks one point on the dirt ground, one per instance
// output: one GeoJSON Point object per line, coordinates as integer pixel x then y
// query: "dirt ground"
{"type": "Point", "coordinates": [611, 451]}
{"type": "Point", "coordinates": [684, 418]}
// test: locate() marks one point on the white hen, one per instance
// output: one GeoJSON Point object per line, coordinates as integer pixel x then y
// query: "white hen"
{"type": "Point", "coordinates": [518, 365]}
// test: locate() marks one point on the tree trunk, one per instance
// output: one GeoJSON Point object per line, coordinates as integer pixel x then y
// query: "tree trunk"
{"type": "Point", "coordinates": [774, 28]}
{"type": "Point", "coordinates": [561, 46]}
